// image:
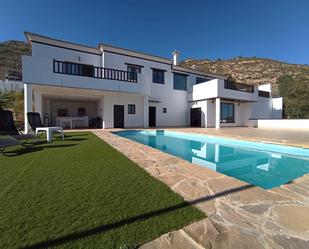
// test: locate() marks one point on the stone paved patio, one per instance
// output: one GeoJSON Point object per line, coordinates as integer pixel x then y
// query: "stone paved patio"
{"type": "Point", "coordinates": [238, 215]}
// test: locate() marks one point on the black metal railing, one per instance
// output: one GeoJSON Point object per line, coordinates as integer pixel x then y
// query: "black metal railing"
{"type": "Point", "coordinates": [78, 69]}
{"type": "Point", "coordinates": [264, 94]}
{"type": "Point", "coordinates": [238, 86]}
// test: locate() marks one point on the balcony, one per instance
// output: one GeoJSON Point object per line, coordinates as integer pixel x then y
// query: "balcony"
{"type": "Point", "coordinates": [218, 88]}
{"type": "Point", "coordinates": [238, 86]}
{"type": "Point", "coordinates": [60, 73]}
{"type": "Point", "coordinates": [77, 69]}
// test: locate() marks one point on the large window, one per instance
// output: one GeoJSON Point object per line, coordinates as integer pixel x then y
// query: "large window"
{"type": "Point", "coordinates": [158, 76]}
{"type": "Point", "coordinates": [180, 81]}
{"type": "Point", "coordinates": [227, 113]}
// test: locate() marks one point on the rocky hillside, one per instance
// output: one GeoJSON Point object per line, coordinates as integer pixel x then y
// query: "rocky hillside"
{"type": "Point", "coordinates": [10, 56]}
{"type": "Point", "coordinates": [249, 70]}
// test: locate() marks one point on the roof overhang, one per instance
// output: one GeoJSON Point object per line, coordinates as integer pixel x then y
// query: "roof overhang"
{"type": "Point", "coordinates": [32, 37]}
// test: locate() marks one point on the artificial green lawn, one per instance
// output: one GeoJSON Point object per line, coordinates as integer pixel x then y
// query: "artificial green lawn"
{"type": "Point", "coordinates": [82, 193]}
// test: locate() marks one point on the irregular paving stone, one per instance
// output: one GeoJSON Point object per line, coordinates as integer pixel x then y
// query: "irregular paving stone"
{"type": "Point", "coordinates": [256, 209]}
{"type": "Point", "coordinates": [175, 240]}
{"type": "Point", "coordinates": [286, 191]}
{"type": "Point", "coordinates": [197, 192]}
{"type": "Point", "coordinates": [291, 243]}
{"type": "Point", "coordinates": [295, 218]}
{"type": "Point", "coordinates": [234, 238]}
{"type": "Point", "coordinates": [234, 216]}
{"type": "Point", "coordinates": [203, 232]}
{"type": "Point", "coordinates": [171, 179]}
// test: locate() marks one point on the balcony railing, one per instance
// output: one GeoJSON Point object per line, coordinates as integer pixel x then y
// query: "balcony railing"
{"type": "Point", "coordinates": [78, 69]}
{"type": "Point", "coordinates": [264, 94]}
{"type": "Point", "coordinates": [238, 86]}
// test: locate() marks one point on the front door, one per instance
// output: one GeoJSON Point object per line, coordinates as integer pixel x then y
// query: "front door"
{"type": "Point", "coordinates": [152, 116]}
{"type": "Point", "coordinates": [118, 116]}
{"type": "Point", "coordinates": [195, 117]}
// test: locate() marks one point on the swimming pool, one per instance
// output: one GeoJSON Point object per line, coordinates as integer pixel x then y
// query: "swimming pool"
{"type": "Point", "coordinates": [261, 164]}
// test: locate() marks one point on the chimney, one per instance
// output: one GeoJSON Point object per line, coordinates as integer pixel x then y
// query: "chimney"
{"type": "Point", "coordinates": [176, 57]}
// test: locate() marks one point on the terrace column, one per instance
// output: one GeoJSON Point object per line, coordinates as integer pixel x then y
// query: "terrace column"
{"type": "Point", "coordinates": [27, 104]}
{"type": "Point", "coordinates": [217, 113]}
{"type": "Point", "coordinates": [146, 109]}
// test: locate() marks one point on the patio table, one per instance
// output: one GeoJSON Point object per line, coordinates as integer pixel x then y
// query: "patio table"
{"type": "Point", "coordinates": [49, 132]}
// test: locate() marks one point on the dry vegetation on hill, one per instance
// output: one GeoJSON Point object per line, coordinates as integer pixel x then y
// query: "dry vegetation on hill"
{"type": "Point", "coordinates": [250, 70]}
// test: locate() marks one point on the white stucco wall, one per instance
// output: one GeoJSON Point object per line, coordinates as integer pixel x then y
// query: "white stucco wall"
{"type": "Point", "coordinates": [277, 107]}
{"type": "Point", "coordinates": [283, 123]}
{"type": "Point", "coordinates": [267, 108]}
{"type": "Point", "coordinates": [61, 54]}
{"type": "Point", "coordinates": [130, 120]}
{"type": "Point", "coordinates": [164, 94]}
{"type": "Point", "coordinates": [211, 113]}
{"type": "Point", "coordinates": [10, 85]}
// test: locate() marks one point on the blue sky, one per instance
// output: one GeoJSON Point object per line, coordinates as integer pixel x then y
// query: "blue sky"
{"type": "Point", "coordinates": [198, 29]}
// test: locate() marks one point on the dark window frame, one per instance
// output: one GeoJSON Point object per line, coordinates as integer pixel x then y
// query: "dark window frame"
{"type": "Point", "coordinates": [131, 109]}
{"type": "Point", "coordinates": [156, 78]}
{"type": "Point", "coordinates": [139, 69]}
{"type": "Point", "coordinates": [164, 110]}
{"type": "Point", "coordinates": [227, 119]}
{"type": "Point", "coordinates": [264, 94]}
{"type": "Point", "coordinates": [186, 82]}
{"type": "Point", "coordinates": [132, 74]}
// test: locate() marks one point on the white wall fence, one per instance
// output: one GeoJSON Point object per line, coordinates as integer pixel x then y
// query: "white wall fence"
{"type": "Point", "coordinates": [8, 85]}
{"type": "Point", "coordinates": [283, 123]}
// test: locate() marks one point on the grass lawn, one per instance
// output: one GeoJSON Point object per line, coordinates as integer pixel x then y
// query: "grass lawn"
{"type": "Point", "coordinates": [82, 193]}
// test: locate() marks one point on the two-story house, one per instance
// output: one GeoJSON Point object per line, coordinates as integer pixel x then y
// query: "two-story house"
{"type": "Point", "coordinates": [64, 81]}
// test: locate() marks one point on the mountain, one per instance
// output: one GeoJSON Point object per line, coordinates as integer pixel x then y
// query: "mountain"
{"type": "Point", "coordinates": [250, 69]}
{"type": "Point", "coordinates": [10, 56]}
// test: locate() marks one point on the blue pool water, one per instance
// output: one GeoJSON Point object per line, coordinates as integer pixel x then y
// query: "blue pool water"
{"type": "Point", "coordinates": [260, 164]}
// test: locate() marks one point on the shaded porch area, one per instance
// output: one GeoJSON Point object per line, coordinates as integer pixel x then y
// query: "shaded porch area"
{"type": "Point", "coordinates": [69, 108]}
{"type": "Point", "coordinates": [78, 108]}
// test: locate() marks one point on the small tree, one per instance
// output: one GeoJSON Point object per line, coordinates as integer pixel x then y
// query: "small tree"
{"type": "Point", "coordinates": [6, 100]}
{"type": "Point", "coordinates": [295, 93]}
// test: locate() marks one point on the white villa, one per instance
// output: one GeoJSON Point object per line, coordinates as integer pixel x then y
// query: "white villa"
{"type": "Point", "coordinates": [106, 86]}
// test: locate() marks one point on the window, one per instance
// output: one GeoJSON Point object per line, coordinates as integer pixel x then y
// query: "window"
{"type": "Point", "coordinates": [200, 80]}
{"type": "Point", "coordinates": [227, 113]}
{"type": "Point", "coordinates": [131, 109]}
{"type": "Point", "coordinates": [77, 69]}
{"type": "Point", "coordinates": [133, 71]}
{"type": "Point", "coordinates": [164, 110]}
{"type": "Point", "coordinates": [158, 76]}
{"type": "Point", "coordinates": [180, 81]}
{"type": "Point", "coordinates": [264, 94]}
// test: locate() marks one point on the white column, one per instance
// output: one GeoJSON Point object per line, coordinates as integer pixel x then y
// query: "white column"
{"type": "Point", "coordinates": [103, 59]}
{"type": "Point", "coordinates": [146, 110]}
{"type": "Point", "coordinates": [27, 104]}
{"type": "Point", "coordinates": [38, 103]}
{"type": "Point", "coordinates": [100, 104]}
{"type": "Point", "coordinates": [217, 113]}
